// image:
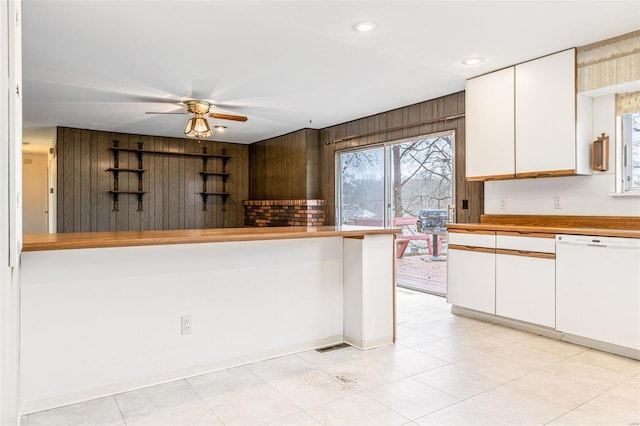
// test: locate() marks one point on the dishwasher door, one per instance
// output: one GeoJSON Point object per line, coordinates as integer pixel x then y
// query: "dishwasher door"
{"type": "Point", "coordinates": [598, 288]}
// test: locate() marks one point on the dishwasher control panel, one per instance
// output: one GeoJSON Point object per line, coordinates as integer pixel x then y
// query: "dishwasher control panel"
{"type": "Point", "coordinates": [598, 241]}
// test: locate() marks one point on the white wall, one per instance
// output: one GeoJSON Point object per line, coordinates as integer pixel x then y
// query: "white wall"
{"type": "Point", "coordinates": [35, 193]}
{"type": "Point", "coordinates": [10, 214]}
{"type": "Point", "coordinates": [580, 195]}
{"type": "Point", "coordinates": [102, 321]}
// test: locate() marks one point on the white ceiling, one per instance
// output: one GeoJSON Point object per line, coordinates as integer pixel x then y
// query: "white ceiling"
{"type": "Point", "coordinates": [286, 65]}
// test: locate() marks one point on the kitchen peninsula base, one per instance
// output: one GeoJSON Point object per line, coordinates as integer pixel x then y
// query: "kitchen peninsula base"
{"type": "Point", "coordinates": [99, 321]}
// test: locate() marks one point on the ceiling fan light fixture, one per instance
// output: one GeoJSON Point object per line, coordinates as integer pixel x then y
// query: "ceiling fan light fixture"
{"type": "Point", "coordinates": [198, 107]}
{"type": "Point", "coordinates": [198, 127]}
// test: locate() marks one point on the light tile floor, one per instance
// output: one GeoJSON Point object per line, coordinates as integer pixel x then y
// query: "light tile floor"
{"type": "Point", "coordinates": [444, 370]}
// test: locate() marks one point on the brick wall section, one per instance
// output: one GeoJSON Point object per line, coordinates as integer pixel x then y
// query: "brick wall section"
{"type": "Point", "coordinates": [284, 212]}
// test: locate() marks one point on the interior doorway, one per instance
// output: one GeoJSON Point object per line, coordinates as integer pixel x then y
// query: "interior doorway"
{"type": "Point", "coordinates": [35, 211]}
{"type": "Point", "coordinates": [406, 184]}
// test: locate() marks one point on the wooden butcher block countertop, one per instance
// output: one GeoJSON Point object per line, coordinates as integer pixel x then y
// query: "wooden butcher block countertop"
{"type": "Point", "coordinates": [83, 240]}
{"type": "Point", "coordinates": [604, 226]}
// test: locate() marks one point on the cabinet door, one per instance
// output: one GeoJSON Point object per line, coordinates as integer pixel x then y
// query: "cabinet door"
{"type": "Point", "coordinates": [471, 279]}
{"type": "Point", "coordinates": [526, 289]}
{"type": "Point", "coordinates": [489, 125]}
{"type": "Point", "coordinates": [546, 115]}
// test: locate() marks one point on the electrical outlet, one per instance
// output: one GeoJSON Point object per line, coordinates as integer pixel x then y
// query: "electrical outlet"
{"type": "Point", "coordinates": [185, 322]}
{"type": "Point", "coordinates": [503, 204]}
{"type": "Point", "coordinates": [557, 202]}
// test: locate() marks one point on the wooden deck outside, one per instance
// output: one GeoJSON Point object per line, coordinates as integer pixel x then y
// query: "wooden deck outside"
{"type": "Point", "coordinates": [421, 273]}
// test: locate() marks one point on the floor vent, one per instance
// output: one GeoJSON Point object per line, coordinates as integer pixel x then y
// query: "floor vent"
{"type": "Point", "coordinates": [332, 347]}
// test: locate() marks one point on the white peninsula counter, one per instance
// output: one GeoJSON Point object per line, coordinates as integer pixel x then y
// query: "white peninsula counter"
{"type": "Point", "coordinates": [102, 313]}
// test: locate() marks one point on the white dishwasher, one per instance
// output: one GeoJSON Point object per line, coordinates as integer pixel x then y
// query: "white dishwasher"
{"type": "Point", "coordinates": [598, 289]}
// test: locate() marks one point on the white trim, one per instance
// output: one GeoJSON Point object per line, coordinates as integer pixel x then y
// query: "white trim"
{"type": "Point", "coordinates": [547, 332]}
{"type": "Point", "coordinates": [367, 345]}
{"type": "Point", "coordinates": [623, 172]}
{"type": "Point", "coordinates": [619, 183]}
{"type": "Point", "coordinates": [628, 194]}
{"type": "Point", "coordinates": [603, 346]}
{"type": "Point", "coordinates": [10, 213]}
{"type": "Point", "coordinates": [507, 322]}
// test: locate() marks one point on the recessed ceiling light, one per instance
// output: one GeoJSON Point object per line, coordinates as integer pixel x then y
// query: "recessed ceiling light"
{"type": "Point", "coordinates": [363, 27]}
{"type": "Point", "coordinates": [473, 61]}
{"type": "Point", "coordinates": [220, 128]}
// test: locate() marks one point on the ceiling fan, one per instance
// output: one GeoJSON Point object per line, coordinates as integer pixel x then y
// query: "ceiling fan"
{"type": "Point", "coordinates": [198, 126]}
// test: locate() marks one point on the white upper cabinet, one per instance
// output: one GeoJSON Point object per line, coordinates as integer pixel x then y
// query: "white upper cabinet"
{"type": "Point", "coordinates": [489, 115]}
{"type": "Point", "coordinates": [521, 121]}
{"type": "Point", "coordinates": [546, 115]}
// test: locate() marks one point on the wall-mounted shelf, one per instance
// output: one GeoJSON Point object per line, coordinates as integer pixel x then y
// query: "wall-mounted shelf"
{"type": "Point", "coordinates": [118, 170]}
{"type": "Point", "coordinates": [113, 169]}
{"type": "Point", "coordinates": [206, 175]}
{"type": "Point", "coordinates": [206, 195]}
{"type": "Point", "coordinates": [214, 174]}
{"type": "Point", "coordinates": [128, 192]}
{"type": "Point", "coordinates": [116, 198]}
{"type": "Point", "coordinates": [140, 151]}
{"type": "Point", "coordinates": [183, 154]}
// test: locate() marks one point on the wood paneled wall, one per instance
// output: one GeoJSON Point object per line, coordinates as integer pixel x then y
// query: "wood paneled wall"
{"type": "Point", "coordinates": [173, 183]}
{"type": "Point", "coordinates": [446, 106]}
{"type": "Point", "coordinates": [285, 167]}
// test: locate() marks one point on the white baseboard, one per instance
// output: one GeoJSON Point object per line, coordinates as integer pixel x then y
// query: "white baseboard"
{"type": "Point", "coordinates": [602, 346]}
{"type": "Point", "coordinates": [548, 332]}
{"type": "Point", "coordinates": [29, 407]}
{"type": "Point", "coordinates": [369, 344]}
{"type": "Point", "coordinates": [507, 322]}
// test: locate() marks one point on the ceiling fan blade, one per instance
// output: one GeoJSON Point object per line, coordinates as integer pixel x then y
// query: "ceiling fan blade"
{"type": "Point", "coordinates": [228, 116]}
{"type": "Point", "coordinates": [180, 113]}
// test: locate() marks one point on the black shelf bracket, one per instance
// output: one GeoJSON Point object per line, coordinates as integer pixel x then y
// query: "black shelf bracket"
{"type": "Point", "coordinates": [116, 197]}
{"type": "Point", "coordinates": [140, 206]}
{"type": "Point", "coordinates": [140, 151]}
{"type": "Point", "coordinates": [206, 195]}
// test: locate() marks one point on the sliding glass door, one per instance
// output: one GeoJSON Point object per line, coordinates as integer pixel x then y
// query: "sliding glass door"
{"type": "Point", "coordinates": [406, 184]}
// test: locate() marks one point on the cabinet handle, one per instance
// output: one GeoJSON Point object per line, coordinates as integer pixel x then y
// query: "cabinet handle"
{"type": "Point", "coordinates": [530, 234]}
{"type": "Point", "coordinates": [471, 248]}
{"type": "Point", "coordinates": [472, 231]}
{"type": "Point", "coordinates": [526, 253]}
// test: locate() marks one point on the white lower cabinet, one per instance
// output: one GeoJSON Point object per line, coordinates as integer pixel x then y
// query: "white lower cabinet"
{"type": "Point", "coordinates": [525, 288]}
{"type": "Point", "coordinates": [471, 278]}
{"type": "Point", "coordinates": [510, 274]}
{"type": "Point", "coordinates": [584, 288]}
